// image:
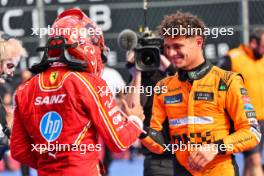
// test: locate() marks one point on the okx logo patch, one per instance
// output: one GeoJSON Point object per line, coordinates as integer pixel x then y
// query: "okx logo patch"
{"type": "Point", "coordinates": [248, 107]}
{"type": "Point", "coordinates": [51, 126]}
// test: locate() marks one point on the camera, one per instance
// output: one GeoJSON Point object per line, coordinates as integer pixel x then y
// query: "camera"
{"type": "Point", "coordinates": [147, 51]}
{"type": "Point", "coordinates": [146, 45]}
{"type": "Point", "coordinates": [147, 48]}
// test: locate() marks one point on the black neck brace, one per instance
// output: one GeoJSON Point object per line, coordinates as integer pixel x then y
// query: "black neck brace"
{"type": "Point", "coordinates": [196, 73]}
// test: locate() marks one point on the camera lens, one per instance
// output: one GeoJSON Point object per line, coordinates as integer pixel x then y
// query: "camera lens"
{"type": "Point", "coordinates": [148, 57]}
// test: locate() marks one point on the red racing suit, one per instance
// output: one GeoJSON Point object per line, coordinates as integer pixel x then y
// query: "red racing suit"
{"type": "Point", "coordinates": [58, 116]}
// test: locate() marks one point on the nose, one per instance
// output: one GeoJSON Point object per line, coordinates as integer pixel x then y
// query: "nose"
{"type": "Point", "coordinates": [10, 71]}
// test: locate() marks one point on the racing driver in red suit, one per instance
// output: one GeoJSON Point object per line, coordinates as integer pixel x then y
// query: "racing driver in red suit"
{"type": "Point", "coordinates": [60, 111]}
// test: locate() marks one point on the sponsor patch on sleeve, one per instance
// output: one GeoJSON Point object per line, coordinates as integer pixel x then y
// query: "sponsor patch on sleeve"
{"type": "Point", "coordinates": [222, 86]}
{"type": "Point", "coordinates": [243, 91]}
{"type": "Point", "coordinates": [173, 99]}
{"type": "Point", "coordinates": [251, 114]}
{"type": "Point", "coordinates": [246, 99]}
{"type": "Point", "coordinates": [206, 96]}
{"type": "Point", "coordinates": [248, 107]}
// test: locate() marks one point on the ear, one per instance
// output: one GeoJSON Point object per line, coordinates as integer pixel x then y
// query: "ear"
{"type": "Point", "coordinates": [199, 41]}
{"type": "Point", "coordinates": [253, 43]}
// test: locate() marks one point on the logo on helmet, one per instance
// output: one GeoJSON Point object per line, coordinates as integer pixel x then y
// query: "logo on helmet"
{"type": "Point", "coordinates": [86, 34]}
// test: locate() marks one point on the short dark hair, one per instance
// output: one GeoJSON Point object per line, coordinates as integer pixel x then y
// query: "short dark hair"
{"type": "Point", "coordinates": [256, 34]}
{"type": "Point", "coordinates": [183, 19]}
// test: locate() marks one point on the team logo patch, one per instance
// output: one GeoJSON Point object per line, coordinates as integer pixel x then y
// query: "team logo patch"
{"type": "Point", "coordinates": [50, 126]}
{"type": "Point", "coordinates": [248, 107]}
{"type": "Point", "coordinates": [193, 75]}
{"type": "Point", "coordinates": [222, 86]}
{"type": "Point", "coordinates": [206, 96]}
{"type": "Point", "coordinates": [243, 91]}
{"type": "Point", "coordinates": [173, 99]}
{"type": "Point", "coordinates": [53, 77]}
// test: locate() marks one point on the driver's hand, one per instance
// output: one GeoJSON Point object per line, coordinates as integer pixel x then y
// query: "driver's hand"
{"type": "Point", "coordinates": [164, 63]}
{"type": "Point", "coordinates": [136, 110]}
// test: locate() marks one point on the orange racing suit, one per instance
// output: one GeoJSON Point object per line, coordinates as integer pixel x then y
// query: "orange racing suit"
{"type": "Point", "coordinates": [214, 108]}
{"type": "Point", "coordinates": [243, 61]}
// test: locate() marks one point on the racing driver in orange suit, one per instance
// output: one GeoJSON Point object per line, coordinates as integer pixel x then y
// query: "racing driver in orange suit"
{"type": "Point", "coordinates": [60, 111]}
{"type": "Point", "coordinates": [209, 111]}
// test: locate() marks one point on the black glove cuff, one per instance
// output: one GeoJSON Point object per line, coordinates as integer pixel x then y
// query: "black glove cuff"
{"type": "Point", "coordinates": [144, 135]}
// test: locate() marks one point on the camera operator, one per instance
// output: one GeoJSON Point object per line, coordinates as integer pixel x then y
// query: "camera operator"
{"type": "Point", "coordinates": [11, 51]}
{"type": "Point", "coordinates": [154, 164]}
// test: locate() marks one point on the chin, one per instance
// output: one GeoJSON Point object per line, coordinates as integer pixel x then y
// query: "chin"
{"type": "Point", "coordinates": [180, 65]}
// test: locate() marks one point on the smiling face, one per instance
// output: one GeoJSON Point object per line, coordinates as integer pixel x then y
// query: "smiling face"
{"type": "Point", "coordinates": [7, 68]}
{"type": "Point", "coordinates": [183, 49]}
{"type": "Point", "coordinates": [184, 53]}
{"type": "Point", "coordinates": [11, 51]}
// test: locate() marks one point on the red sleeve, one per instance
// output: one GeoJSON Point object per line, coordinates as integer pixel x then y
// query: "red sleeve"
{"type": "Point", "coordinates": [20, 142]}
{"type": "Point", "coordinates": [105, 115]}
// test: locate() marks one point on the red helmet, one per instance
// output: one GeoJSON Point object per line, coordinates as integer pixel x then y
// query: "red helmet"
{"type": "Point", "coordinates": [76, 27]}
